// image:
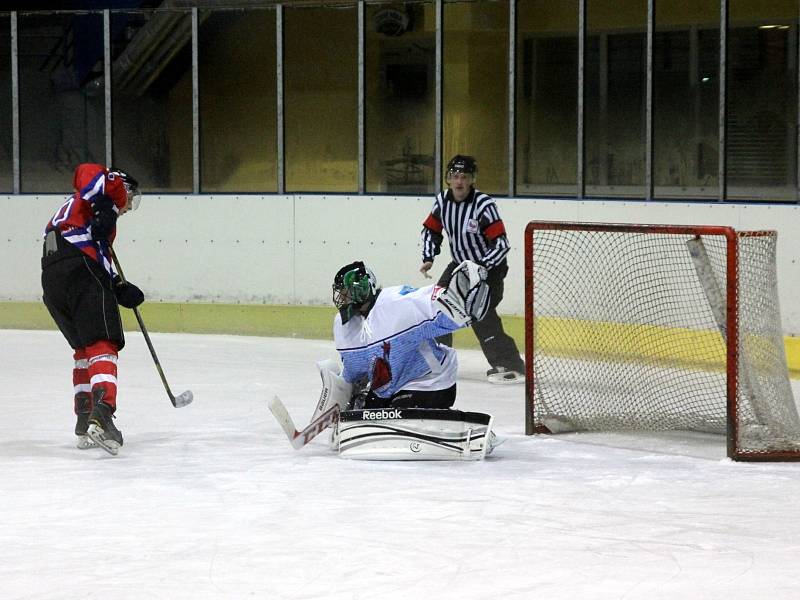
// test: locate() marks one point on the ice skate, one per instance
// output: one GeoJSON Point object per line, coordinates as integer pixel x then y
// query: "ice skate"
{"type": "Point", "coordinates": [101, 429]}
{"type": "Point", "coordinates": [503, 376]}
{"type": "Point", "coordinates": [83, 406]}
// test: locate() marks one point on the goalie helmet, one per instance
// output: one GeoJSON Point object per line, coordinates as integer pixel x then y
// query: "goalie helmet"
{"type": "Point", "coordinates": [354, 286]}
{"type": "Point", "coordinates": [131, 186]}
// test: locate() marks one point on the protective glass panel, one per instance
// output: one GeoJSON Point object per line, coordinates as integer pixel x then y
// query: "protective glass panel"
{"type": "Point", "coordinates": [6, 156]}
{"type": "Point", "coordinates": [237, 78]}
{"type": "Point", "coordinates": [615, 97]}
{"type": "Point", "coordinates": [321, 99]}
{"type": "Point", "coordinates": [399, 77]}
{"type": "Point", "coordinates": [547, 97]}
{"type": "Point", "coordinates": [475, 76]}
{"type": "Point", "coordinates": [686, 99]}
{"type": "Point", "coordinates": [61, 102]}
{"type": "Point", "coordinates": [152, 98]}
{"type": "Point", "coordinates": [762, 100]}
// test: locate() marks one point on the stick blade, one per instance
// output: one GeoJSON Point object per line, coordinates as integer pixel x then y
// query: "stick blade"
{"type": "Point", "coordinates": [278, 409]}
{"type": "Point", "coordinates": [298, 439]}
{"type": "Point", "coordinates": [183, 399]}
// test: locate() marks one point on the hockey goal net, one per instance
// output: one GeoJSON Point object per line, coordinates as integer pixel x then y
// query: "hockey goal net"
{"type": "Point", "coordinates": [651, 327]}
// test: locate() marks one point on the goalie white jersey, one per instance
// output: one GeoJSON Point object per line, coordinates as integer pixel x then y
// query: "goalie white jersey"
{"type": "Point", "coordinates": [401, 329]}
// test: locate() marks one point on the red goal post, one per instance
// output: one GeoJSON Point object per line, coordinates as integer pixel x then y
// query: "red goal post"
{"type": "Point", "coordinates": [657, 327]}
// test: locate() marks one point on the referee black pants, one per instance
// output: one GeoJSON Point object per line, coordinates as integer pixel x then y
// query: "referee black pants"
{"type": "Point", "coordinates": [498, 347]}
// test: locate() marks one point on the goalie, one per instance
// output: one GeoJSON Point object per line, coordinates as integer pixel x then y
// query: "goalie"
{"type": "Point", "coordinates": [386, 339]}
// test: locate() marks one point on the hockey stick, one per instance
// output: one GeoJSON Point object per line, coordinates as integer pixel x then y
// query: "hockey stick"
{"type": "Point", "coordinates": [322, 417]}
{"type": "Point", "coordinates": [177, 401]}
{"type": "Point", "coordinates": [298, 439]}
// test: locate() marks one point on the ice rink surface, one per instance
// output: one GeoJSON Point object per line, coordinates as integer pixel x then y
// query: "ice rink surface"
{"type": "Point", "coordinates": [211, 501]}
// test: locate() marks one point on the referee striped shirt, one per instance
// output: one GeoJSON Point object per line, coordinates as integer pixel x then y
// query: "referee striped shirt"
{"type": "Point", "coordinates": [473, 226]}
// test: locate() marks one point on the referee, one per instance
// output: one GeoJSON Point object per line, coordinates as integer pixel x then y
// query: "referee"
{"type": "Point", "coordinates": [475, 232]}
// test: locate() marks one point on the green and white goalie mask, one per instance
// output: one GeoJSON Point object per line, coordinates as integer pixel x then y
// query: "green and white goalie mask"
{"type": "Point", "coordinates": [354, 287]}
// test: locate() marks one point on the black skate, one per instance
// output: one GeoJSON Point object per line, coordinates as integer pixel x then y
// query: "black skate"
{"type": "Point", "coordinates": [503, 375]}
{"type": "Point", "coordinates": [101, 429]}
{"type": "Point", "coordinates": [83, 406]}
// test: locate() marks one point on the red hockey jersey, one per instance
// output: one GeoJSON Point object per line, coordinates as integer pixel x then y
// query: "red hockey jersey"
{"type": "Point", "coordinates": [73, 219]}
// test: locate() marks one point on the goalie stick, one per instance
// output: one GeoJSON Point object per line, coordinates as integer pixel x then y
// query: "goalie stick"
{"type": "Point", "coordinates": [298, 439]}
{"type": "Point", "coordinates": [336, 395]}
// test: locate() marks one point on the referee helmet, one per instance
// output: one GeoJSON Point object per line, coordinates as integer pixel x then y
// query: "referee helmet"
{"type": "Point", "coordinates": [461, 163]}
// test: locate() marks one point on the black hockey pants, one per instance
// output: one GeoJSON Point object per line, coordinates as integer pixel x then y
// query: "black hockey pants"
{"type": "Point", "coordinates": [415, 399]}
{"type": "Point", "coordinates": [80, 297]}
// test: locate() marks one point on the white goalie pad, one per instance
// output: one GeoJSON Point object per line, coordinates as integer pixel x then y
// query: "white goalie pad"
{"type": "Point", "coordinates": [414, 434]}
{"type": "Point", "coordinates": [335, 390]}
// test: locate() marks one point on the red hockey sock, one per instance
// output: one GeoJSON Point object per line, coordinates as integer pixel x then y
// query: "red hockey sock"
{"type": "Point", "coordinates": [102, 356]}
{"type": "Point", "coordinates": [80, 379]}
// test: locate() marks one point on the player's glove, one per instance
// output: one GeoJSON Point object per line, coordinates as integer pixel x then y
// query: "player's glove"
{"type": "Point", "coordinates": [128, 295]}
{"type": "Point", "coordinates": [104, 218]}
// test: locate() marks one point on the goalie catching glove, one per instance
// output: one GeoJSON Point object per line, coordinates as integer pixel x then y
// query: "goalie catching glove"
{"type": "Point", "coordinates": [466, 297]}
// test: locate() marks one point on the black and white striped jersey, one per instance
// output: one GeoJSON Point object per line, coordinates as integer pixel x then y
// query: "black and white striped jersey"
{"type": "Point", "coordinates": [473, 226]}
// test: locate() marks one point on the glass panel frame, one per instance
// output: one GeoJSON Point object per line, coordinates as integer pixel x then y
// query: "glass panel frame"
{"type": "Point", "coordinates": [547, 98]}
{"type": "Point", "coordinates": [475, 89]}
{"type": "Point", "coordinates": [686, 81]}
{"type": "Point", "coordinates": [61, 100]}
{"type": "Point", "coordinates": [399, 81]}
{"type": "Point", "coordinates": [321, 99]}
{"type": "Point", "coordinates": [238, 101]}
{"type": "Point", "coordinates": [762, 101]}
{"type": "Point", "coordinates": [6, 135]}
{"type": "Point", "coordinates": [152, 135]}
{"type": "Point", "coordinates": [240, 125]}
{"type": "Point", "coordinates": [615, 98]}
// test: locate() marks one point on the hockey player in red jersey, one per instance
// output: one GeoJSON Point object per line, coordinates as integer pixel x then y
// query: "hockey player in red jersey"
{"type": "Point", "coordinates": [82, 293]}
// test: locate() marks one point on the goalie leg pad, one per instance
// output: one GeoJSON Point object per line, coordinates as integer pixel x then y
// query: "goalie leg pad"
{"type": "Point", "coordinates": [414, 434]}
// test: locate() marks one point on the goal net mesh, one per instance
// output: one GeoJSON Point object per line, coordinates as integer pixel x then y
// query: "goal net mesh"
{"type": "Point", "coordinates": [630, 331]}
